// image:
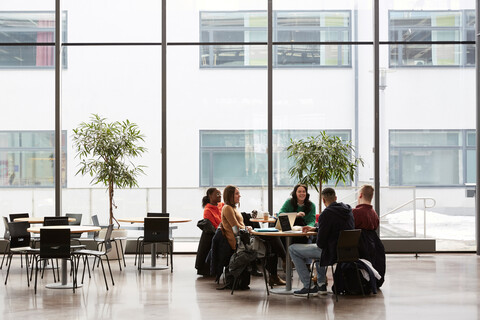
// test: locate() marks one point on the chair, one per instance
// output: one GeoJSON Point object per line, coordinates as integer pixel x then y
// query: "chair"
{"type": "Point", "coordinates": [6, 236]}
{"type": "Point", "coordinates": [97, 254]}
{"type": "Point", "coordinates": [14, 216]}
{"type": "Point", "coordinates": [149, 215]}
{"type": "Point", "coordinates": [19, 244]}
{"type": "Point", "coordinates": [347, 251]}
{"type": "Point", "coordinates": [156, 230]}
{"type": "Point", "coordinates": [55, 221]}
{"type": "Point", "coordinates": [77, 222]}
{"type": "Point", "coordinates": [55, 244]}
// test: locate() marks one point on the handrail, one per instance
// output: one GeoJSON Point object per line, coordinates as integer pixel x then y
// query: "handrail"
{"type": "Point", "coordinates": [425, 207]}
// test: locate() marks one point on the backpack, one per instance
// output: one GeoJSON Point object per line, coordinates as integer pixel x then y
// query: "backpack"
{"type": "Point", "coordinates": [346, 280]}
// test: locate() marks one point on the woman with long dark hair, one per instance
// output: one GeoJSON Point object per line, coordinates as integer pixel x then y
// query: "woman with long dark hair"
{"type": "Point", "coordinates": [300, 203]}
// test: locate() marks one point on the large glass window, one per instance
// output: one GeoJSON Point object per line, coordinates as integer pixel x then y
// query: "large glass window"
{"type": "Point", "coordinates": [240, 157]}
{"type": "Point", "coordinates": [289, 26]}
{"type": "Point", "coordinates": [431, 157]}
{"type": "Point", "coordinates": [27, 158]}
{"type": "Point", "coordinates": [31, 28]}
{"type": "Point", "coordinates": [431, 26]}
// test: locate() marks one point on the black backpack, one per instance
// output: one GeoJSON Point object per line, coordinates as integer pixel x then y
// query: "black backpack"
{"type": "Point", "coordinates": [346, 280]}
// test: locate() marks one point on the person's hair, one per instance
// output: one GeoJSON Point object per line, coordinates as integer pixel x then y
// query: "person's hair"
{"type": "Point", "coordinates": [206, 198]}
{"type": "Point", "coordinates": [294, 201]}
{"type": "Point", "coordinates": [367, 191]}
{"type": "Point", "coordinates": [328, 194]}
{"type": "Point", "coordinates": [229, 195]}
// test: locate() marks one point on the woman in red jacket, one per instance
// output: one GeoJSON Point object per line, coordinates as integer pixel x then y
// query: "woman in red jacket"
{"type": "Point", "coordinates": [212, 206]}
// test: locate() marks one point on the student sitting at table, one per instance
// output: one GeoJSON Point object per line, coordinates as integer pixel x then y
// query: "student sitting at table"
{"type": "Point", "coordinates": [213, 206]}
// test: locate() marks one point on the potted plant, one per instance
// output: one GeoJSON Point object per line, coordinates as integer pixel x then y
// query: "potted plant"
{"type": "Point", "coordinates": [321, 159]}
{"type": "Point", "coordinates": [105, 150]}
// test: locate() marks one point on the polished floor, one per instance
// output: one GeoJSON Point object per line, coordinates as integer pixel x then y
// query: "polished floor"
{"type": "Point", "coordinates": [441, 286]}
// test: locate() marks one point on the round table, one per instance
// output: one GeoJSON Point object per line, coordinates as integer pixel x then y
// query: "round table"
{"type": "Point", "coordinates": [288, 237]}
{"type": "Point", "coordinates": [73, 229]}
{"type": "Point", "coordinates": [34, 220]}
{"type": "Point", "coordinates": [261, 220]}
{"type": "Point", "coordinates": [153, 253]}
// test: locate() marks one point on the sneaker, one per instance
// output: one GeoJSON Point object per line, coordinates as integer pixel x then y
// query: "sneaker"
{"type": "Point", "coordinates": [322, 289]}
{"type": "Point", "coordinates": [304, 292]}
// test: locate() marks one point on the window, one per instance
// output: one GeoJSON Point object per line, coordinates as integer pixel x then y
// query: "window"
{"type": "Point", "coordinates": [426, 157]}
{"type": "Point", "coordinates": [27, 158]}
{"type": "Point", "coordinates": [432, 26]}
{"type": "Point", "coordinates": [29, 28]}
{"type": "Point", "coordinates": [239, 157]}
{"type": "Point", "coordinates": [289, 26]}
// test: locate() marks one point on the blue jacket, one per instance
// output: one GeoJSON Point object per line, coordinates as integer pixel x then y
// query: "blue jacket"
{"type": "Point", "coordinates": [333, 219]}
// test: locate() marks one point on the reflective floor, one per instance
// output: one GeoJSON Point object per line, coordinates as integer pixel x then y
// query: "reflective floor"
{"type": "Point", "coordinates": [441, 286]}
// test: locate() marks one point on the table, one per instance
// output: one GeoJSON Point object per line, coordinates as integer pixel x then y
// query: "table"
{"type": "Point", "coordinates": [261, 220]}
{"type": "Point", "coordinates": [153, 253]}
{"type": "Point", "coordinates": [288, 237]}
{"type": "Point", "coordinates": [73, 229]}
{"type": "Point", "coordinates": [34, 220]}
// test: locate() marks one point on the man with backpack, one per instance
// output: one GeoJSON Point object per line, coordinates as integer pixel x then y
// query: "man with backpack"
{"type": "Point", "coordinates": [336, 217]}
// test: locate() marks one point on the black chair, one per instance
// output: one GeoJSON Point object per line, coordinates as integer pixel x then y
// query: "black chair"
{"type": "Point", "coordinates": [55, 221]}
{"type": "Point", "coordinates": [347, 251]}
{"type": "Point", "coordinates": [6, 237]}
{"type": "Point", "coordinates": [14, 216]}
{"type": "Point", "coordinates": [156, 230]}
{"type": "Point", "coordinates": [55, 244]}
{"type": "Point", "coordinates": [149, 215]}
{"type": "Point", "coordinates": [19, 244]}
{"type": "Point", "coordinates": [97, 254]}
{"type": "Point", "coordinates": [77, 222]}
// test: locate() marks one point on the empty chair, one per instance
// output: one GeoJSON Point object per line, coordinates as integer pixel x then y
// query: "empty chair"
{"type": "Point", "coordinates": [77, 222]}
{"type": "Point", "coordinates": [55, 221]}
{"type": "Point", "coordinates": [19, 244]}
{"type": "Point", "coordinates": [150, 215]}
{"type": "Point", "coordinates": [14, 216]}
{"type": "Point", "coordinates": [156, 230]}
{"type": "Point", "coordinates": [6, 237]}
{"type": "Point", "coordinates": [107, 245]}
{"type": "Point", "coordinates": [55, 244]}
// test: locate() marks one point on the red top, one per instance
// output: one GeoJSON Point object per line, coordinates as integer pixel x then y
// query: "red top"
{"type": "Point", "coordinates": [213, 213]}
{"type": "Point", "coordinates": [365, 217]}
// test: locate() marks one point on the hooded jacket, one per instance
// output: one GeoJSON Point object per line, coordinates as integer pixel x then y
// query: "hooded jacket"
{"type": "Point", "coordinates": [334, 218]}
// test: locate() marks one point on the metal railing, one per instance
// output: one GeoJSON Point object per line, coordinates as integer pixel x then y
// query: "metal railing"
{"type": "Point", "coordinates": [414, 202]}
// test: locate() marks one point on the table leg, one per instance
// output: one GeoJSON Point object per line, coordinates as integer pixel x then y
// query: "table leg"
{"type": "Point", "coordinates": [64, 284]}
{"type": "Point", "coordinates": [288, 272]}
{"type": "Point", "coordinates": [153, 258]}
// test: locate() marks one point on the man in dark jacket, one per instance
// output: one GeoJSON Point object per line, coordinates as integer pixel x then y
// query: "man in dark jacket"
{"type": "Point", "coordinates": [336, 217]}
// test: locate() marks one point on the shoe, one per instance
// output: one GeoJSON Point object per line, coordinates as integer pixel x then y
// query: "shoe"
{"type": "Point", "coordinates": [322, 289]}
{"type": "Point", "coordinates": [304, 292]}
{"type": "Point", "coordinates": [276, 281]}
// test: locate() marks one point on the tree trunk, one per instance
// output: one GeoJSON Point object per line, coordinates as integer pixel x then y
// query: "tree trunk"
{"type": "Point", "coordinates": [110, 194]}
{"type": "Point", "coordinates": [320, 197]}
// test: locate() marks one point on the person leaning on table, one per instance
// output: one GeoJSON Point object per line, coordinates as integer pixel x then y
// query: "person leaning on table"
{"type": "Point", "coordinates": [336, 217]}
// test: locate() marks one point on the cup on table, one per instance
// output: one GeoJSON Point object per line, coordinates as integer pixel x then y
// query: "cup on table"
{"type": "Point", "coordinates": [265, 216]}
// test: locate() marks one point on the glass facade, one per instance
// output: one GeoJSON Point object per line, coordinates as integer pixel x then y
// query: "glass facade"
{"type": "Point", "coordinates": [218, 90]}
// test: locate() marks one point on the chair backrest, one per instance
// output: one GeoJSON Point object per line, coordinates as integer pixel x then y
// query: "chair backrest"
{"type": "Point", "coordinates": [76, 216]}
{"type": "Point", "coordinates": [55, 221]}
{"type": "Point", "coordinates": [347, 246]}
{"type": "Point", "coordinates": [54, 243]}
{"type": "Point", "coordinates": [6, 235]}
{"type": "Point", "coordinates": [95, 220]}
{"type": "Point", "coordinates": [14, 216]}
{"type": "Point", "coordinates": [19, 236]}
{"type": "Point", "coordinates": [156, 229]}
{"type": "Point", "coordinates": [158, 215]}
{"type": "Point", "coordinates": [108, 238]}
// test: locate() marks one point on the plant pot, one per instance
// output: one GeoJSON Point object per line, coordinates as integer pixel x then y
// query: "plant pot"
{"type": "Point", "coordinates": [112, 255]}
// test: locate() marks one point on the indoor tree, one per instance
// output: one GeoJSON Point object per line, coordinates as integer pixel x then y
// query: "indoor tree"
{"type": "Point", "coordinates": [105, 150]}
{"type": "Point", "coordinates": [321, 159]}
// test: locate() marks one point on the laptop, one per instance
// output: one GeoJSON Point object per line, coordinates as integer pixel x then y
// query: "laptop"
{"type": "Point", "coordinates": [285, 221]}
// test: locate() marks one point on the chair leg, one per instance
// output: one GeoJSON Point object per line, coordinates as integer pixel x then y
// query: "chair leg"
{"type": "Point", "coordinates": [110, 269]}
{"type": "Point", "coordinates": [103, 269]}
{"type": "Point", "coordinates": [118, 255]}
{"type": "Point", "coordinates": [312, 267]}
{"type": "Point", "coordinates": [234, 285]}
{"type": "Point", "coordinates": [123, 254]}
{"type": "Point", "coordinates": [36, 275]}
{"type": "Point", "coordinates": [170, 247]}
{"type": "Point", "coordinates": [334, 284]}
{"type": "Point", "coordinates": [9, 261]}
{"type": "Point", "coordinates": [7, 248]}
{"type": "Point", "coordinates": [265, 276]}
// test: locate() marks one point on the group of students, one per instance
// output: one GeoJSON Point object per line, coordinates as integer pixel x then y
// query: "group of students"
{"type": "Point", "coordinates": [226, 218]}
